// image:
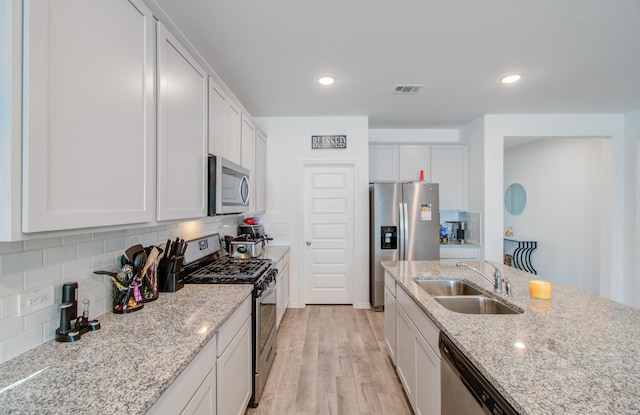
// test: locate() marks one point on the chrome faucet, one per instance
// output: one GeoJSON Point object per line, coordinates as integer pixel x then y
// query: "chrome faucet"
{"type": "Point", "coordinates": [497, 275]}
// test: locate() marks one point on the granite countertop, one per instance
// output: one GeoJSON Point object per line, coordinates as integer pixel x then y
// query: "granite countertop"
{"type": "Point", "coordinates": [581, 355]}
{"type": "Point", "coordinates": [275, 252]}
{"type": "Point", "coordinates": [126, 365]}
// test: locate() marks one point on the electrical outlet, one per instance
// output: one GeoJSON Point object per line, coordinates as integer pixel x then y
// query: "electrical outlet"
{"type": "Point", "coordinates": [36, 300]}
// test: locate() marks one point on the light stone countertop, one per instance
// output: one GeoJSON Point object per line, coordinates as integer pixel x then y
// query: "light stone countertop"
{"type": "Point", "coordinates": [124, 367]}
{"type": "Point", "coordinates": [275, 252]}
{"type": "Point", "coordinates": [581, 355]}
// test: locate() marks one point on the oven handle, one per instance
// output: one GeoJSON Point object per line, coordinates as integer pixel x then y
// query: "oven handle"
{"type": "Point", "coordinates": [264, 287]}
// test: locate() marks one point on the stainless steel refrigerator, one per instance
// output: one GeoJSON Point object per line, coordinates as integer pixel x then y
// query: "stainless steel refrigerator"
{"type": "Point", "coordinates": [404, 225]}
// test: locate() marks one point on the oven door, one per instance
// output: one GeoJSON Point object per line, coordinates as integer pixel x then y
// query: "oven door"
{"type": "Point", "coordinates": [265, 334]}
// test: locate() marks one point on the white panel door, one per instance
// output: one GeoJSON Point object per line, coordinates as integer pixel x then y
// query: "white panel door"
{"type": "Point", "coordinates": [328, 232]}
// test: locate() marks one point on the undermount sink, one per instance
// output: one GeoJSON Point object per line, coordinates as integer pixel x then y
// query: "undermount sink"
{"type": "Point", "coordinates": [461, 297]}
{"type": "Point", "coordinates": [447, 287]}
{"type": "Point", "coordinates": [476, 305]}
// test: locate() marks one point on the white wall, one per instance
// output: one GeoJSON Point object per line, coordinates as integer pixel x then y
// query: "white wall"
{"type": "Point", "coordinates": [567, 185]}
{"type": "Point", "coordinates": [289, 143]}
{"type": "Point", "coordinates": [632, 209]}
{"type": "Point", "coordinates": [614, 268]}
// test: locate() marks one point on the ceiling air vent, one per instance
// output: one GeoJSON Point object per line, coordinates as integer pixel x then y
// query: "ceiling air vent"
{"type": "Point", "coordinates": [408, 89]}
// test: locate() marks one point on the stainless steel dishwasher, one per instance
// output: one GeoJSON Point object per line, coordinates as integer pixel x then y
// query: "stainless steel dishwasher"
{"type": "Point", "coordinates": [464, 390]}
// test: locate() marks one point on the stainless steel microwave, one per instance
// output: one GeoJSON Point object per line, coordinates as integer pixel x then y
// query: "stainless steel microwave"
{"type": "Point", "coordinates": [229, 187]}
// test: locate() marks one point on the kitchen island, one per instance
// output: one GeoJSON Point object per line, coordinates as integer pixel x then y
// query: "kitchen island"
{"type": "Point", "coordinates": [581, 352]}
{"type": "Point", "coordinates": [126, 365]}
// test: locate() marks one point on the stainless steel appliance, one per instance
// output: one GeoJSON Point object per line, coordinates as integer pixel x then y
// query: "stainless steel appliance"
{"type": "Point", "coordinates": [244, 246]}
{"type": "Point", "coordinates": [463, 389]}
{"type": "Point", "coordinates": [229, 188]}
{"type": "Point", "coordinates": [404, 225]}
{"type": "Point", "coordinates": [211, 268]}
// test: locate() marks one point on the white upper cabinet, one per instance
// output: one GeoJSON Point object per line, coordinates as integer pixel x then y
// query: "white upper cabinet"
{"type": "Point", "coordinates": [413, 158]}
{"type": "Point", "coordinates": [383, 162]}
{"type": "Point", "coordinates": [217, 120]}
{"type": "Point", "coordinates": [446, 164]}
{"type": "Point", "coordinates": [450, 168]}
{"type": "Point", "coordinates": [234, 128]}
{"type": "Point", "coordinates": [182, 131]}
{"type": "Point", "coordinates": [260, 179]}
{"type": "Point", "coordinates": [249, 156]}
{"type": "Point", "coordinates": [88, 114]}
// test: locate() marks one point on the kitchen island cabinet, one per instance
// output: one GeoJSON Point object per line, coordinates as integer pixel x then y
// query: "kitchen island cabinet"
{"type": "Point", "coordinates": [127, 365]}
{"type": "Point", "coordinates": [182, 131]}
{"type": "Point", "coordinates": [416, 353]}
{"type": "Point", "coordinates": [88, 114]}
{"type": "Point", "coordinates": [558, 356]}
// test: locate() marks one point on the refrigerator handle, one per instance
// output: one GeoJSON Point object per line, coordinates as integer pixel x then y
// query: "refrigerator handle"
{"type": "Point", "coordinates": [400, 233]}
{"type": "Point", "coordinates": [406, 232]}
{"type": "Point", "coordinates": [403, 232]}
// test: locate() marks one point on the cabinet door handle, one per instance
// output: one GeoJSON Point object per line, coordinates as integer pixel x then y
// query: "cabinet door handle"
{"type": "Point", "coordinates": [308, 243]}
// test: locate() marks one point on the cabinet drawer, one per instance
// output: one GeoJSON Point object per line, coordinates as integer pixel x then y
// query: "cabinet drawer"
{"type": "Point", "coordinates": [231, 327]}
{"type": "Point", "coordinates": [425, 326]}
{"type": "Point", "coordinates": [390, 283]}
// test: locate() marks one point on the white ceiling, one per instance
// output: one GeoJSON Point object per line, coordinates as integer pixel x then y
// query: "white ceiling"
{"type": "Point", "coordinates": [576, 56]}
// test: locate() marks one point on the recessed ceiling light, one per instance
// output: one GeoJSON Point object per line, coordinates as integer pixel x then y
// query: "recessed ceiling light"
{"type": "Point", "coordinates": [326, 80]}
{"type": "Point", "coordinates": [509, 79]}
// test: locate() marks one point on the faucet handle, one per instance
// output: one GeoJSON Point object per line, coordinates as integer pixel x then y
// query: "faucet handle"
{"type": "Point", "coordinates": [507, 287]}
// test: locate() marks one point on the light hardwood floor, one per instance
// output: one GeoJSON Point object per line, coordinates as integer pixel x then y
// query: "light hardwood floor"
{"type": "Point", "coordinates": [332, 360]}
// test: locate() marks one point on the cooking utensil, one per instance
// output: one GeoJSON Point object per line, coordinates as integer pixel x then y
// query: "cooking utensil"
{"type": "Point", "coordinates": [150, 260]}
{"type": "Point", "coordinates": [132, 251]}
{"type": "Point", "coordinates": [109, 273]}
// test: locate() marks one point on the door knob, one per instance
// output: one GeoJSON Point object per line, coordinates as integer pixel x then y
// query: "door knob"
{"type": "Point", "coordinates": [308, 243]}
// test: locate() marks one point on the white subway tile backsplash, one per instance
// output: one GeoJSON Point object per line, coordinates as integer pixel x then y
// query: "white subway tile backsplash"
{"type": "Point", "coordinates": [42, 277]}
{"type": "Point", "coordinates": [11, 284]}
{"type": "Point", "coordinates": [60, 254]}
{"type": "Point", "coordinates": [76, 239]}
{"type": "Point", "coordinates": [10, 247]}
{"type": "Point", "coordinates": [19, 344]}
{"type": "Point", "coordinates": [73, 269]}
{"type": "Point", "coordinates": [9, 306]}
{"type": "Point", "coordinates": [51, 261]}
{"type": "Point", "coordinates": [31, 244]}
{"type": "Point", "coordinates": [20, 261]}
{"type": "Point", "coordinates": [117, 244]}
{"type": "Point", "coordinates": [10, 327]}
{"type": "Point", "coordinates": [40, 317]}
{"type": "Point", "coordinates": [88, 249]}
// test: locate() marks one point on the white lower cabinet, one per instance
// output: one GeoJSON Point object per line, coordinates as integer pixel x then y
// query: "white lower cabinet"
{"type": "Point", "coordinates": [417, 357]}
{"type": "Point", "coordinates": [282, 288]}
{"type": "Point", "coordinates": [390, 317]}
{"type": "Point", "coordinates": [194, 391]}
{"type": "Point", "coordinates": [234, 369]}
{"type": "Point", "coordinates": [219, 379]}
{"type": "Point", "coordinates": [203, 401]}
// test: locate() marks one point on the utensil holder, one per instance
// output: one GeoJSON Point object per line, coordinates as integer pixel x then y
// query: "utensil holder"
{"type": "Point", "coordinates": [123, 301]}
{"type": "Point", "coordinates": [149, 285]}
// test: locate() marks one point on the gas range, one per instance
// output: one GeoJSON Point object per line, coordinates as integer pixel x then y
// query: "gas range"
{"type": "Point", "coordinates": [229, 270]}
{"type": "Point", "coordinates": [205, 265]}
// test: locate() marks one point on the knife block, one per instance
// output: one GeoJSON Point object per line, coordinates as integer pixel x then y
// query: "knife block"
{"type": "Point", "coordinates": [170, 274]}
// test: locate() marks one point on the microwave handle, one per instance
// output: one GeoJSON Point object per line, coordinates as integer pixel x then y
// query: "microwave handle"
{"type": "Point", "coordinates": [244, 184]}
